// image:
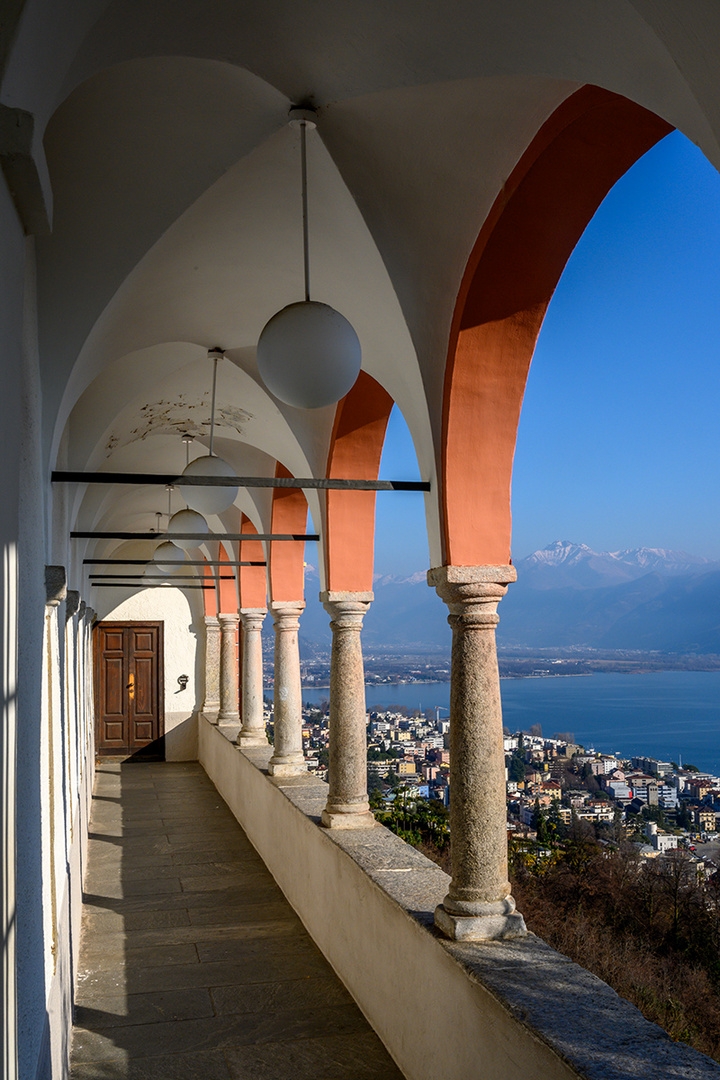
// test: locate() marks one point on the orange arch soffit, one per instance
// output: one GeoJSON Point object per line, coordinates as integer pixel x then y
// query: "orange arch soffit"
{"type": "Point", "coordinates": [227, 590]}
{"type": "Point", "coordinates": [209, 595]}
{"type": "Point", "coordinates": [253, 579]}
{"type": "Point", "coordinates": [591, 140]}
{"type": "Point", "coordinates": [289, 515]}
{"type": "Point", "coordinates": [355, 450]}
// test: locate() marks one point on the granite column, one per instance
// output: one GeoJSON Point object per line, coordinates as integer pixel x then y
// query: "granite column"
{"type": "Point", "coordinates": [228, 712]}
{"type": "Point", "coordinates": [287, 760]}
{"type": "Point", "coordinates": [478, 905]}
{"type": "Point", "coordinates": [347, 805]}
{"type": "Point", "coordinates": [211, 704]}
{"type": "Point", "coordinates": [252, 732]}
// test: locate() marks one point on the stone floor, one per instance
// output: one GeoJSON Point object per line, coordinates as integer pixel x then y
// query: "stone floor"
{"type": "Point", "coordinates": [192, 964]}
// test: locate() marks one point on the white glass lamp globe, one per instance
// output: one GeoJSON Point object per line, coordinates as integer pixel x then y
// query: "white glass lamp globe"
{"type": "Point", "coordinates": [167, 558]}
{"type": "Point", "coordinates": [209, 500]}
{"type": "Point", "coordinates": [187, 521]}
{"type": "Point", "coordinates": [308, 355]}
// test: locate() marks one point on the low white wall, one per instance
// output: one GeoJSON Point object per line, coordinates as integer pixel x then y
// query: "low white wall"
{"type": "Point", "coordinates": [184, 638]}
{"type": "Point", "coordinates": [443, 1009]}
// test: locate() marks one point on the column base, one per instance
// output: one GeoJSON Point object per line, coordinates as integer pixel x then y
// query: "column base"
{"type": "Point", "coordinates": [251, 738]}
{"type": "Point", "coordinates": [211, 715]}
{"type": "Point", "coordinates": [228, 718]}
{"type": "Point", "coordinates": [286, 768]}
{"type": "Point", "coordinates": [479, 927]}
{"type": "Point", "coordinates": [363, 820]}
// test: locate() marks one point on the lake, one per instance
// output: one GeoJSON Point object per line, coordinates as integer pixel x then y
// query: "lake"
{"type": "Point", "coordinates": [661, 715]}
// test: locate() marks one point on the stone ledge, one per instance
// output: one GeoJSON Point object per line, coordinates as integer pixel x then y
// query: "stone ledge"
{"type": "Point", "coordinates": [584, 1026]}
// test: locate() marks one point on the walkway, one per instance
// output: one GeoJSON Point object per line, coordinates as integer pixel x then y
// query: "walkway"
{"type": "Point", "coordinates": [192, 963]}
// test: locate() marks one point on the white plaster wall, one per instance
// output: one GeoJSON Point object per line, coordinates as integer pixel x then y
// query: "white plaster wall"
{"type": "Point", "coordinates": [184, 637]}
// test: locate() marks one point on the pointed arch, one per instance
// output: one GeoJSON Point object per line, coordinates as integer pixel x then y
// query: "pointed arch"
{"type": "Point", "coordinates": [289, 515]}
{"type": "Point", "coordinates": [355, 450]}
{"type": "Point", "coordinates": [253, 579]}
{"type": "Point", "coordinates": [591, 140]}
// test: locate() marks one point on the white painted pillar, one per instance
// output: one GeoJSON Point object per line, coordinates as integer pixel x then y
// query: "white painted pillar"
{"type": "Point", "coordinates": [288, 759]}
{"type": "Point", "coordinates": [478, 905]}
{"type": "Point", "coordinates": [211, 704]}
{"type": "Point", "coordinates": [228, 712]}
{"type": "Point", "coordinates": [347, 806]}
{"type": "Point", "coordinates": [252, 732]}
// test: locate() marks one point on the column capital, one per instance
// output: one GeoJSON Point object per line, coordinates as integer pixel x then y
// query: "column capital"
{"type": "Point", "coordinates": [212, 621]}
{"type": "Point", "coordinates": [346, 609]}
{"type": "Point", "coordinates": [286, 614]}
{"type": "Point", "coordinates": [228, 618]}
{"type": "Point", "coordinates": [472, 593]}
{"type": "Point", "coordinates": [252, 618]}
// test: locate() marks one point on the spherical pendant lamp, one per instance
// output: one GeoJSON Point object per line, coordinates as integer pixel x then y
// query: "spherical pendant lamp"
{"type": "Point", "coordinates": [206, 499]}
{"type": "Point", "coordinates": [308, 355]}
{"type": "Point", "coordinates": [167, 558]}
{"type": "Point", "coordinates": [187, 521]}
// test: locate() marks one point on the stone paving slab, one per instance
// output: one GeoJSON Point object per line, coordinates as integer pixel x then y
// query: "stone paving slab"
{"type": "Point", "coordinates": [192, 964]}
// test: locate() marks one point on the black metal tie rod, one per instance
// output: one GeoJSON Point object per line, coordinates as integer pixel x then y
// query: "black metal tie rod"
{"type": "Point", "coordinates": [164, 479]}
{"type": "Point", "coordinates": [187, 562]}
{"type": "Point", "coordinates": [202, 538]}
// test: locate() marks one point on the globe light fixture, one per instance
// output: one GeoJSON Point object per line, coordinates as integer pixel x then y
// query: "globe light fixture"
{"type": "Point", "coordinates": [308, 354]}
{"type": "Point", "coordinates": [205, 499]}
{"type": "Point", "coordinates": [166, 558]}
{"type": "Point", "coordinates": [187, 521]}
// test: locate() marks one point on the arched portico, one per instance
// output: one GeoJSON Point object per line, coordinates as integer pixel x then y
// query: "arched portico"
{"type": "Point", "coordinates": [571, 164]}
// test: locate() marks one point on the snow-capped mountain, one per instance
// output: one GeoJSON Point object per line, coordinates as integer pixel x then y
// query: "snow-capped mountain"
{"type": "Point", "coordinates": [566, 564]}
{"type": "Point", "coordinates": [566, 594]}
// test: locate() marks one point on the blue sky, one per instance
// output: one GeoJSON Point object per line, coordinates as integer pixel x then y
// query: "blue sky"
{"type": "Point", "coordinates": [619, 439]}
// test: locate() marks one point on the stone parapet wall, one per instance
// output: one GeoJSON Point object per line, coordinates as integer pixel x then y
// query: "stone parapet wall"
{"type": "Point", "coordinates": [489, 1011]}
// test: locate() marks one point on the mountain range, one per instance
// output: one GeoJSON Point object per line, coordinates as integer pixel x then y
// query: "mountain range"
{"type": "Point", "coordinates": [566, 595]}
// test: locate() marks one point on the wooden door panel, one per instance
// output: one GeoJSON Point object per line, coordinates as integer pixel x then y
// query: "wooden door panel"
{"type": "Point", "coordinates": [129, 697]}
{"type": "Point", "coordinates": [114, 696]}
{"type": "Point", "coordinates": [145, 699]}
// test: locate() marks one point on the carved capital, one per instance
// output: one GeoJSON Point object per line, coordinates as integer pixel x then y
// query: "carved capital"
{"type": "Point", "coordinates": [472, 593]}
{"type": "Point", "coordinates": [346, 609]}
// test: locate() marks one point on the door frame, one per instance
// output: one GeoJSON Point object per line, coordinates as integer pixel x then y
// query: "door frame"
{"type": "Point", "coordinates": [106, 624]}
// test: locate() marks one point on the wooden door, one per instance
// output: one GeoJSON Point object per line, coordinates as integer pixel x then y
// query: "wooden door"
{"type": "Point", "coordinates": [128, 688]}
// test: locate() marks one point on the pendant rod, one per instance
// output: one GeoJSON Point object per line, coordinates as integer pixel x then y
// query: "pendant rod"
{"type": "Point", "coordinates": [303, 170]}
{"type": "Point", "coordinates": [216, 354]}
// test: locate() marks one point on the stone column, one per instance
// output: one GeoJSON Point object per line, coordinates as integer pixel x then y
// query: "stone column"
{"type": "Point", "coordinates": [252, 732]}
{"type": "Point", "coordinates": [211, 704]}
{"type": "Point", "coordinates": [228, 712]}
{"type": "Point", "coordinates": [287, 759]}
{"type": "Point", "coordinates": [479, 905]}
{"type": "Point", "coordinates": [347, 805]}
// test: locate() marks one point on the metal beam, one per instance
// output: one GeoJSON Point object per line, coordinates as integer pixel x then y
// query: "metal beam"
{"type": "Point", "coordinates": [202, 538]}
{"type": "Point", "coordinates": [188, 562]}
{"type": "Point", "coordinates": [164, 479]}
{"type": "Point", "coordinates": [158, 577]}
{"type": "Point", "coordinates": [133, 584]}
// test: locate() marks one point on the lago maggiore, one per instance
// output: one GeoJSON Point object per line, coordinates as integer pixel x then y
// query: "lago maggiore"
{"type": "Point", "coordinates": [669, 715]}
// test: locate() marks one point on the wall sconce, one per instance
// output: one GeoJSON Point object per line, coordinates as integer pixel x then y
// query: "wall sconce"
{"type": "Point", "coordinates": [183, 680]}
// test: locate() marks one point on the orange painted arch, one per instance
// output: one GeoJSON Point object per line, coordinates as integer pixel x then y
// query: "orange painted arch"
{"type": "Point", "coordinates": [287, 557]}
{"type": "Point", "coordinates": [253, 579]}
{"type": "Point", "coordinates": [591, 140]}
{"type": "Point", "coordinates": [356, 447]}
{"type": "Point", "coordinates": [227, 591]}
